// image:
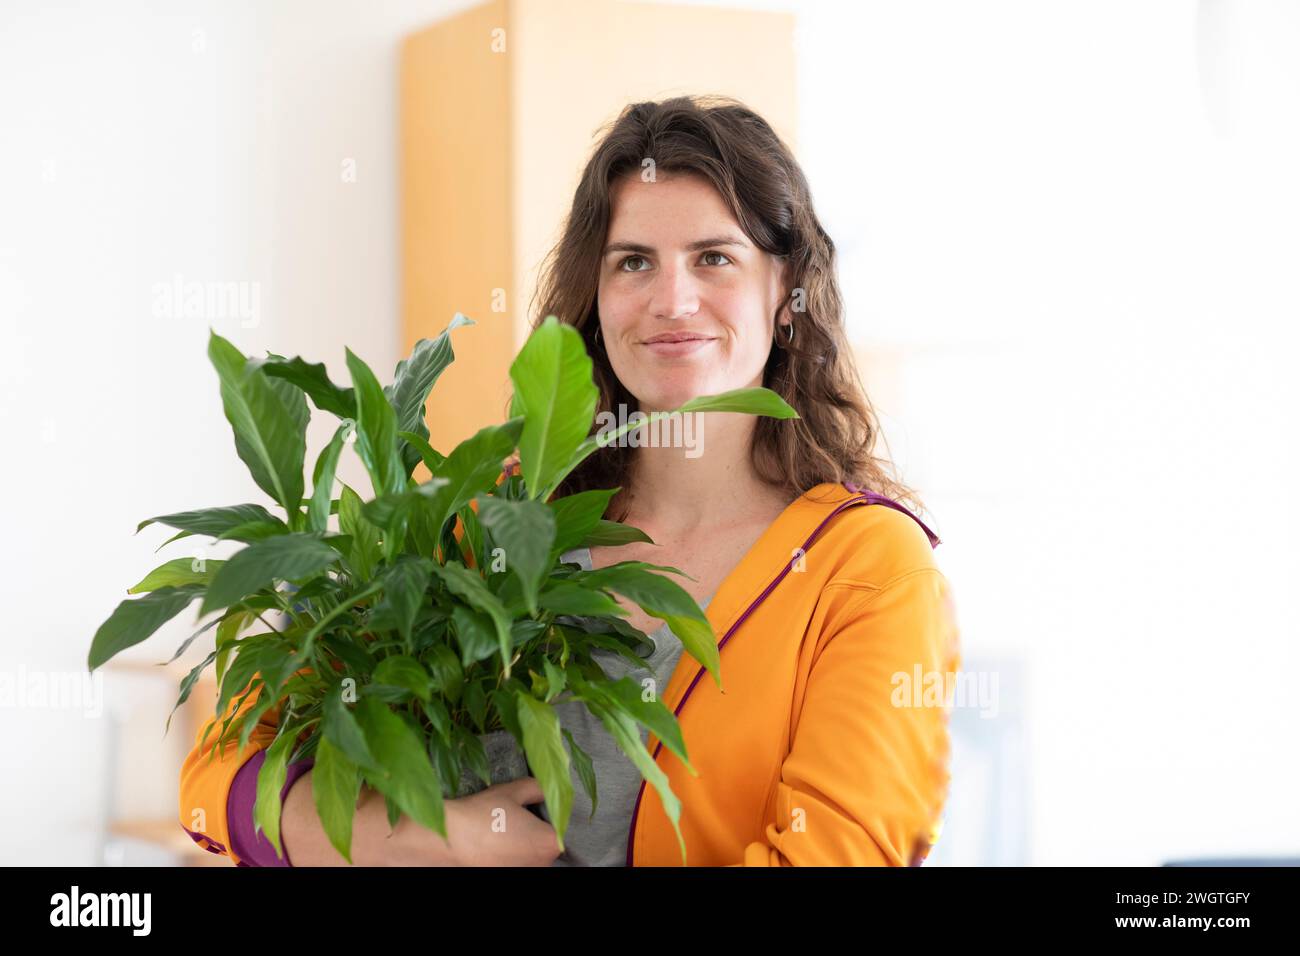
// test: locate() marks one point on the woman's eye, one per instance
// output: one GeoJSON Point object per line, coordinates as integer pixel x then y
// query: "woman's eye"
{"type": "Point", "coordinates": [623, 265]}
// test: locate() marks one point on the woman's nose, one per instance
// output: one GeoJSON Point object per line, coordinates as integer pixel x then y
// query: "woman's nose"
{"type": "Point", "coordinates": [674, 293]}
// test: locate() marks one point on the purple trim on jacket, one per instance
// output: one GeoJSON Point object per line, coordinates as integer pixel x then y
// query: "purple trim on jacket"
{"type": "Point", "coordinates": [205, 841]}
{"type": "Point", "coordinates": [862, 497]}
{"type": "Point", "coordinates": [255, 849]}
{"type": "Point", "coordinates": [890, 502]}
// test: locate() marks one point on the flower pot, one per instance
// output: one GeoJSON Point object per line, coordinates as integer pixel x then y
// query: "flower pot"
{"type": "Point", "coordinates": [506, 762]}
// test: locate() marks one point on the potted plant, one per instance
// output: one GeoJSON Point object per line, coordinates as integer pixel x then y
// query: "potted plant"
{"type": "Point", "coordinates": [421, 638]}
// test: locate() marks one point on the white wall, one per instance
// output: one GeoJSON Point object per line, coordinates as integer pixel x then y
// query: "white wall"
{"type": "Point", "coordinates": [142, 141]}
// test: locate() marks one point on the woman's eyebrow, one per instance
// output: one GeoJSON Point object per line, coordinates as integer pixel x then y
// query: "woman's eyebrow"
{"type": "Point", "coordinates": [697, 245]}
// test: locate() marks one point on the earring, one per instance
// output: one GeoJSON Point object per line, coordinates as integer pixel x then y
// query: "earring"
{"type": "Point", "coordinates": [597, 337]}
{"type": "Point", "coordinates": [789, 332]}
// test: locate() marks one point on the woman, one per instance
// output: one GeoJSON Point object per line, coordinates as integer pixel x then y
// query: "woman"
{"type": "Point", "coordinates": [692, 263]}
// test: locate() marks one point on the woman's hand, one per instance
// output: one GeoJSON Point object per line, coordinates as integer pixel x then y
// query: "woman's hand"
{"type": "Point", "coordinates": [490, 828]}
{"type": "Point", "coordinates": [494, 827]}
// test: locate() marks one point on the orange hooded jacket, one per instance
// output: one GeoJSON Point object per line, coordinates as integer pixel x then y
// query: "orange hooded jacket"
{"type": "Point", "coordinates": [838, 642]}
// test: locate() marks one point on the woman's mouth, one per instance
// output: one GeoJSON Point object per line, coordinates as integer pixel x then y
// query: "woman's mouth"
{"type": "Point", "coordinates": [672, 347]}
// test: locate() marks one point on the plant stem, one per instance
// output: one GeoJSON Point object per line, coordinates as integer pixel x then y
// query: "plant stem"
{"type": "Point", "coordinates": [319, 626]}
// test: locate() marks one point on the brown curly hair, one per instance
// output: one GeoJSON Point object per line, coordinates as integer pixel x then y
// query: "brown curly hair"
{"type": "Point", "coordinates": [834, 439]}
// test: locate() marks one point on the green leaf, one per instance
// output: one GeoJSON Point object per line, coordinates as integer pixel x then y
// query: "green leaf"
{"type": "Point", "coordinates": [555, 680]}
{"type": "Point", "coordinates": [187, 685]}
{"type": "Point", "coordinates": [390, 512]}
{"type": "Point", "coordinates": [216, 521]}
{"type": "Point", "coordinates": [252, 531]}
{"type": "Point", "coordinates": [185, 644]}
{"type": "Point", "coordinates": [474, 754]}
{"type": "Point", "coordinates": [289, 557]}
{"type": "Point", "coordinates": [295, 402]}
{"type": "Point", "coordinates": [315, 381]}
{"type": "Point", "coordinates": [441, 723]}
{"type": "Point", "coordinates": [176, 537]}
{"type": "Point", "coordinates": [472, 537]}
{"type": "Point", "coordinates": [248, 720]}
{"type": "Point", "coordinates": [565, 597]}
{"type": "Point", "coordinates": [524, 630]}
{"type": "Point", "coordinates": [476, 703]}
{"type": "Point", "coordinates": [376, 430]}
{"type": "Point", "coordinates": [262, 657]}
{"type": "Point", "coordinates": [611, 534]}
{"type": "Point", "coordinates": [270, 436]}
{"type": "Point", "coordinates": [428, 454]}
{"type": "Point", "coordinates": [607, 642]}
{"type": "Point", "coordinates": [342, 543]}
{"type": "Point", "coordinates": [405, 774]}
{"type": "Point", "coordinates": [586, 772]}
{"type": "Point", "coordinates": [475, 633]}
{"type": "Point", "coordinates": [753, 401]}
{"type": "Point", "coordinates": [503, 702]}
{"type": "Point", "coordinates": [444, 761]}
{"type": "Point", "coordinates": [412, 382]}
{"type": "Point", "coordinates": [327, 620]}
{"type": "Point", "coordinates": [623, 730]}
{"type": "Point", "coordinates": [553, 381]}
{"type": "Point", "coordinates": [404, 584]}
{"type": "Point", "coordinates": [625, 695]}
{"type": "Point", "coordinates": [547, 758]}
{"type": "Point", "coordinates": [322, 481]}
{"type": "Point", "coordinates": [400, 670]}
{"type": "Point", "coordinates": [747, 401]}
{"type": "Point", "coordinates": [134, 621]}
{"type": "Point", "coordinates": [447, 674]}
{"type": "Point", "coordinates": [662, 598]}
{"type": "Point", "coordinates": [270, 781]}
{"type": "Point", "coordinates": [473, 467]}
{"type": "Point", "coordinates": [351, 650]}
{"type": "Point", "coordinates": [526, 531]}
{"type": "Point", "coordinates": [419, 533]}
{"type": "Point", "coordinates": [340, 728]}
{"type": "Point", "coordinates": [228, 635]}
{"type": "Point", "coordinates": [177, 572]}
{"type": "Point", "coordinates": [365, 536]}
{"type": "Point", "coordinates": [466, 584]}
{"type": "Point", "coordinates": [239, 677]}
{"type": "Point", "coordinates": [336, 788]}
{"type": "Point", "coordinates": [576, 516]}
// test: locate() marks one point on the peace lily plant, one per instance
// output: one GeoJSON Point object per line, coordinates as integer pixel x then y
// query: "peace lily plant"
{"type": "Point", "coordinates": [403, 638]}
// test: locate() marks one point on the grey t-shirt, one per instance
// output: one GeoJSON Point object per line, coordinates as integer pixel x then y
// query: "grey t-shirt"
{"type": "Point", "coordinates": [602, 840]}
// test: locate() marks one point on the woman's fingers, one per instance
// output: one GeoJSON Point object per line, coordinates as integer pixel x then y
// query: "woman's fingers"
{"type": "Point", "coordinates": [524, 791]}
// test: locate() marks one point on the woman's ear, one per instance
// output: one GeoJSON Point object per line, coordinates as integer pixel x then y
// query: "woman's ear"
{"type": "Point", "coordinates": [783, 316]}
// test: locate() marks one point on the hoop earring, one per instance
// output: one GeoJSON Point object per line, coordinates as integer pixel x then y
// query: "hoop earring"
{"type": "Point", "coordinates": [596, 340]}
{"type": "Point", "coordinates": [789, 332]}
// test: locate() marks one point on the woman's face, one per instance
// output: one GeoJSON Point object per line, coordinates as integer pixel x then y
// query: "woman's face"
{"type": "Point", "coordinates": [677, 264]}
